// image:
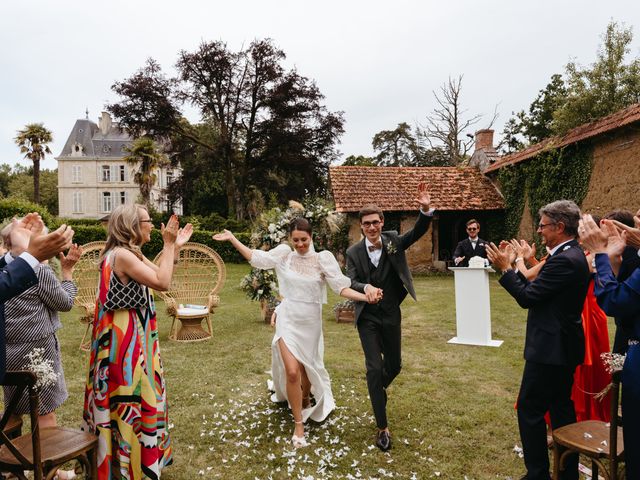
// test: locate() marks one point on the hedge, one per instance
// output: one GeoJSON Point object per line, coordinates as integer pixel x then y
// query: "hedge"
{"type": "Point", "coordinates": [85, 234]}
{"type": "Point", "coordinates": [12, 207]}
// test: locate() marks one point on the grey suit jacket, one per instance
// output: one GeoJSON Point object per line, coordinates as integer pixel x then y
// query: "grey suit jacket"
{"type": "Point", "coordinates": [395, 246]}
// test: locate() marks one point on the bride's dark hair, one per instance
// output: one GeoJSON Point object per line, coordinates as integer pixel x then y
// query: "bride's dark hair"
{"type": "Point", "coordinates": [301, 224]}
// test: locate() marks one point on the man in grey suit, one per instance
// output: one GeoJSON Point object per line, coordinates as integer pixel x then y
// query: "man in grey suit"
{"type": "Point", "coordinates": [377, 266]}
{"type": "Point", "coordinates": [17, 274]}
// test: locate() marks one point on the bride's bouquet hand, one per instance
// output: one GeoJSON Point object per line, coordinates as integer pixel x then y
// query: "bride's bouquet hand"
{"type": "Point", "coordinates": [225, 236]}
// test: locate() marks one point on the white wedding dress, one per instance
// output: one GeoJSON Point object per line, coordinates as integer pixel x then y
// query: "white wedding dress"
{"type": "Point", "coordinates": [301, 280]}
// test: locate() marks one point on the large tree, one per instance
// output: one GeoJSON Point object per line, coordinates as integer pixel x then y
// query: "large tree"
{"type": "Point", "coordinates": [448, 124]}
{"type": "Point", "coordinates": [266, 127]}
{"type": "Point", "coordinates": [33, 140]}
{"type": "Point", "coordinates": [20, 185]}
{"type": "Point", "coordinates": [606, 86]}
{"type": "Point", "coordinates": [145, 156]}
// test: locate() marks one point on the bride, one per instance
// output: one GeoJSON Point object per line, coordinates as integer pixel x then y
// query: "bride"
{"type": "Point", "coordinates": [297, 348]}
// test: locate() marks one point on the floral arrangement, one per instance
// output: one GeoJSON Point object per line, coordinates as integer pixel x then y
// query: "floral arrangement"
{"type": "Point", "coordinates": [391, 248]}
{"type": "Point", "coordinates": [260, 285]}
{"type": "Point", "coordinates": [613, 362]}
{"type": "Point", "coordinates": [271, 228]}
{"type": "Point", "coordinates": [344, 305]}
{"type": "Point", "coordinates": [43, 369]}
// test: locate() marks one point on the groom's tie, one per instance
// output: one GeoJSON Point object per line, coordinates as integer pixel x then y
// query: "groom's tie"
{"type": "Point", "coordinates": [375, 246]}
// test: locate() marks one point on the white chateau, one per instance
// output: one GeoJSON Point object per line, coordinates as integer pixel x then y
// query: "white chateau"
{"type": "Point", "coordinates": [93, 177]}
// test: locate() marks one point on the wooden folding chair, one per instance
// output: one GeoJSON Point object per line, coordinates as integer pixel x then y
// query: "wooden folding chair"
{"type": "Point", "coordinates": [45, 450]}
{"type": "Point", "coordinates": [599, 441]}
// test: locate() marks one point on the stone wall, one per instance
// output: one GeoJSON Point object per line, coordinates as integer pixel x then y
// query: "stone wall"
{"type": "Point", "coordinates": [615, 178]}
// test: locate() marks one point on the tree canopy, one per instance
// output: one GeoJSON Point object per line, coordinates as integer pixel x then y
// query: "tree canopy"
{"type": "Point", "coordinates": [583, 94]}
{"type": "Point", "coordinates": [33, 142]}
{"type": "Point", "coordinates": [263, 128]}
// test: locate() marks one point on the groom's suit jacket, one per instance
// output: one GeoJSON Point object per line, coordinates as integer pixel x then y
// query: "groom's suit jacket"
{"type": "Point", "coordinates": [394, 246]}
{"type": "Point", "coordinates": [555, 299]}
{"type": "Point", "coordinates": [15, 278]}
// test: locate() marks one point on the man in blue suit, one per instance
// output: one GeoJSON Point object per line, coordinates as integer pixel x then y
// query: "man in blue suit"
{"type": "Point", "coordinates": [554, 343]}
{"type": "Point", "coordinates": [620, 299]}
{"type": "Point", "coordinates": [17, 274]}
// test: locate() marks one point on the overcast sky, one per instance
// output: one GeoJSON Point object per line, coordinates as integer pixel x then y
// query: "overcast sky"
{"type": "Point", "coordinates": [378, 61]}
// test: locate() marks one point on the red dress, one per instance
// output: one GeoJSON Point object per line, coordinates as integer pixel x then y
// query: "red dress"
{"type": "Point", "coordinates": [591, 377]}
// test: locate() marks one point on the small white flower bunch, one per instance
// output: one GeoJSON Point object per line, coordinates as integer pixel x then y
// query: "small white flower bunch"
{"type": "Point", "coordinates": [613, 362]}
{"type": "Point", "coordinates": [43, 369]}
{"type": "Point", "coordinates": [391, 248]}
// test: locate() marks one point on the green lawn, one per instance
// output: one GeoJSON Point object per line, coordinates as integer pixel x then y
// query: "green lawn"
{"type": "Point", "coordinates": [451, 409]}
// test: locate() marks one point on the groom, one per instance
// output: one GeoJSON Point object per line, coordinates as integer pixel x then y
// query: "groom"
{"type": "Point", "coordinates": [378, 267]}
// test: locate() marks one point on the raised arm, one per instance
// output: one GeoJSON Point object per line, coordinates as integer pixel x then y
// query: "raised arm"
{"type": "Point", "coordinates": [129, 266]}
{"type": "Point", "coordinates": [228, 236]}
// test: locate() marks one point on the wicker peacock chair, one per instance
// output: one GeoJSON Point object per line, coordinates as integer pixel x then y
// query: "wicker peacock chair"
{"type": "Point", "coordinates": [197, 279]}
{"type": "Point", "coordinates": [86, 274]}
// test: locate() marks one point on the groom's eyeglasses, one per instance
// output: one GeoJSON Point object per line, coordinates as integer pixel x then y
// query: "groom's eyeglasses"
{"type": "Point", "coordinates": [375, 223]}
{"type": "Point", "coordinates": [471, 229]}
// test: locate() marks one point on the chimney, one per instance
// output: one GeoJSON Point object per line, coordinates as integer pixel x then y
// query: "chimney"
{"type": "Point", "coordinates": [104, 123]}
{"type": "Point", "coordinates": [484, 139]}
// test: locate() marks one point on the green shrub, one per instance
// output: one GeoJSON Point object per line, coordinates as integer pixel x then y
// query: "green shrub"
{"type": "Point", "coordinates": [11, 207]}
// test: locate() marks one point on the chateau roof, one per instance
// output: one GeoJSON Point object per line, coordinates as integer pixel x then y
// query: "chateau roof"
{"type": "Point", "coordinates": [394, 188]}
{"type": "Point", "coordinates": [94, 142]}
{"type": "Point", "coordinates": [586, 131]}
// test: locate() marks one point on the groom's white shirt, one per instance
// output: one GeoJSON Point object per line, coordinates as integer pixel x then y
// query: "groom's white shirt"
{"type": "Point", "coordinates": [374, 255]}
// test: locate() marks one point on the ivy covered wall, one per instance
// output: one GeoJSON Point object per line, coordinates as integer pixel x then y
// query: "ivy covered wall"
{"type": "Point", "coordinates": [554, 174]}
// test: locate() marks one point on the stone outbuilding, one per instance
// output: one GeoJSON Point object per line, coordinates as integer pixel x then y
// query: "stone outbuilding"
{"type": "Point", "coordinates": [614, 183]}
{"type": "Point", "coordinates": [457, 193]}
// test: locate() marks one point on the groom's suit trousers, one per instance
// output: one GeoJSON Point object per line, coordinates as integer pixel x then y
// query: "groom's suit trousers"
{"type": "Point", "coordinates": [379, 327]}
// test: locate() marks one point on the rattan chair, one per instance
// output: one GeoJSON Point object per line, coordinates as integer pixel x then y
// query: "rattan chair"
{"type": "Point", "coordinates": [42, 450]}
{"type": "Point", "coordinates": [197, 279]}
{"type": "Point", "coordinates": [86, 274]}
{"type": "Point", "coordinates": [599, 441]}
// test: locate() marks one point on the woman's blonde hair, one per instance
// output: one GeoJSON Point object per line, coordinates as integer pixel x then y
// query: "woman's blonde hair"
{"type": "Point", "coordinates": [123, 229]}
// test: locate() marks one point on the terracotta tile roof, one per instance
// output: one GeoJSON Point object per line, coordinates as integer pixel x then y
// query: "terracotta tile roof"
{"type": "Point", "coordinates": [589, 130]}
{"type": "Point", "coordinates": [394, 188]}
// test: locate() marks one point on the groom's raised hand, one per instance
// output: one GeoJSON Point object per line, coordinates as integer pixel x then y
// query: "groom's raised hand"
{"type": "Point", "coordinates": [423, 198]}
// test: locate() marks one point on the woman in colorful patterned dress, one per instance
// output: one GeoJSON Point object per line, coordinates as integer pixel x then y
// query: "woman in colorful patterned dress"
{"type": "Point", "coordinates": [125, 400]}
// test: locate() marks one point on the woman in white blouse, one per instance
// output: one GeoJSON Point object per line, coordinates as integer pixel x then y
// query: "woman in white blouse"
{"type": "Point", "coordinates": [297, 363]}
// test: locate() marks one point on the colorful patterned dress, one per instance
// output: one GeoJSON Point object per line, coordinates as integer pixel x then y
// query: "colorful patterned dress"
{"type": "Point", "coordinates": [125, 399]}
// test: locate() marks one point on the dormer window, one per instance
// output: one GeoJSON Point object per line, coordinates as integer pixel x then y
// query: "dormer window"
{"type": "Point", "coordinates": [77, 150]}
{"type": "Point", "coordinates": [106, 148]}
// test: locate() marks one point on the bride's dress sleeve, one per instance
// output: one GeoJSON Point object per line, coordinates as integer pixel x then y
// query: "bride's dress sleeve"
{"type": "Point", "coordinates": [269, 259]}
{"type": "Point", "coordinates": [332, 273]}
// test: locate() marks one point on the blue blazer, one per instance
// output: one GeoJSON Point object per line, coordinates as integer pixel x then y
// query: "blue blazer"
{"type": "Point", "coordinates": [15, 278]}
{"type": "Point", "coordinates": [615, 298]}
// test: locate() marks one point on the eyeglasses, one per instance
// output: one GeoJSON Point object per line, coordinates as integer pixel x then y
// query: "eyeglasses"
{"type": "Point", "coordinates": [375, 223]}
{"type": "Point", "coordinates": [542, 225]}
{"type": "Point", "coordinates": [471, 229]}
{"type": "Point", "coordinates": [146, 221]}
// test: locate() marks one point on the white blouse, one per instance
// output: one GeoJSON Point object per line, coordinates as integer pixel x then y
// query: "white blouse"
{"type": "Point", "coordinates": [302, 277]}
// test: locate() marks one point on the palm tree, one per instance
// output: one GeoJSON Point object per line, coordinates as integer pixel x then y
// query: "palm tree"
{"type": "Point", "coordinates": [145, 155]}
{"type": "Point", "coordinates": [33, 140]}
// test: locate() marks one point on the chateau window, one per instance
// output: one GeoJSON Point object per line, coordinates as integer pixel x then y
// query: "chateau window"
{"type": "Point", "coordinates": [77, 202]}
{"type": "Point", "coordinates": [76, 173]}
{"type": "Point", "coordinates": [106, 202]}
{"type": "Point", "coordinates": [121, 173]}
{"type": "Point", "coordinates": [106, 173]}
{"type": "Point", "coordinates": [123, 198]}
{"type": "Point", "coordinates": [169, 177]}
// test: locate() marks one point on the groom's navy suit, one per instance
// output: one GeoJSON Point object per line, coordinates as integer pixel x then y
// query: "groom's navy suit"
{"type": "Point", "coordinates": [15, 278]}
{"type": "Point", "coordinates": [554, 346]}
{"type": "Point", "coordinates": [379, 324]}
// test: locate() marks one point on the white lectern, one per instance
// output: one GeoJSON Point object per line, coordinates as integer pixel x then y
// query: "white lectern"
{"type": "Point", "coordinates": [473, 308]}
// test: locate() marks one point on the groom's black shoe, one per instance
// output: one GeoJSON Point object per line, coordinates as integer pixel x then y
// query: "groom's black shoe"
{"type": "Point", "coordinates": [383, 442]}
